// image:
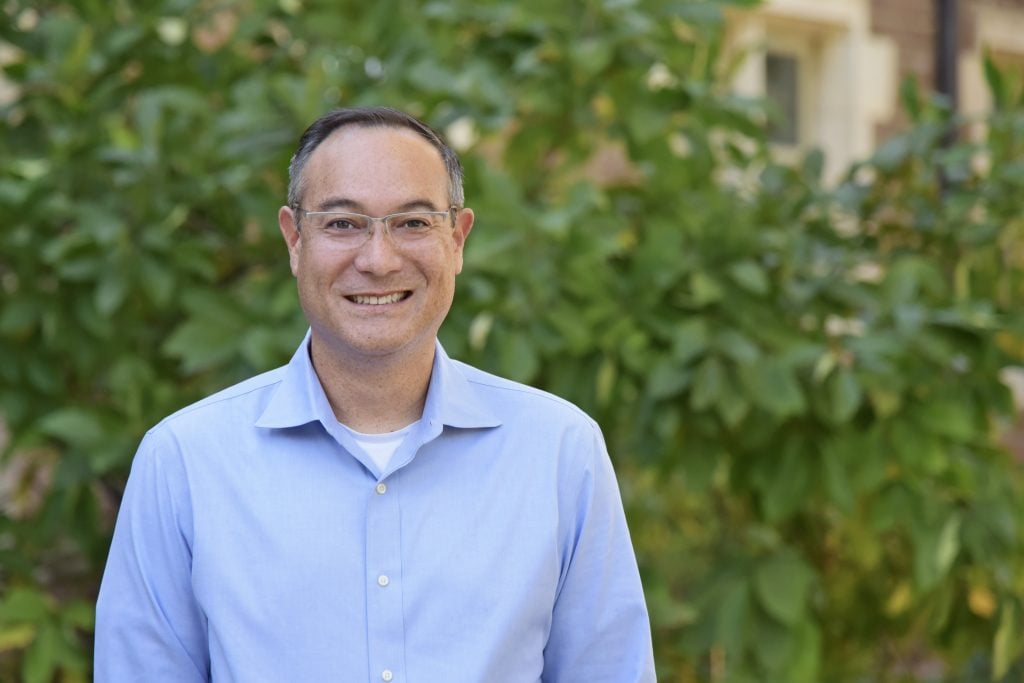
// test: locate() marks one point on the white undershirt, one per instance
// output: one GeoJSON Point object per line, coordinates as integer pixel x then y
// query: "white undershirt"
{"type": "Point", "coordinates": [380, 447]}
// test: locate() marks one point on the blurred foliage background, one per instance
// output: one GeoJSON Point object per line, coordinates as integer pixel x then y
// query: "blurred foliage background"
{"type": "Point", "coordinates": [799, 382]}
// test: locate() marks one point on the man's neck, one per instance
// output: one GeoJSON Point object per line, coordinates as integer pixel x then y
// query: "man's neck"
{"type": "Point", "coordinates": [376, 395]}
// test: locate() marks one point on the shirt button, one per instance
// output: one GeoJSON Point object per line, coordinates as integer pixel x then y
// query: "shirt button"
{"type": "Point", "coordinates": [386, 675]}
{"type": "Point", "coordinates": [382, 488]}
{"type": "Point", "coordinates": [383, 580]}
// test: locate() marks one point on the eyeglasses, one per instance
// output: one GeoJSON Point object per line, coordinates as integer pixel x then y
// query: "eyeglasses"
{"type": "Point", "coordinates": [349, 230]}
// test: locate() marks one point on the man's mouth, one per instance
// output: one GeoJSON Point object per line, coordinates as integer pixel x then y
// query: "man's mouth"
{"type": "Point", "coordinates": [374, 300]}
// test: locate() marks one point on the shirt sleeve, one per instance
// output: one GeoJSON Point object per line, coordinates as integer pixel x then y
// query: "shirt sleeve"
{"type": "Point", "coordinates": [148, 624]}
{"type": "Point", "coordinates": [600, 627]}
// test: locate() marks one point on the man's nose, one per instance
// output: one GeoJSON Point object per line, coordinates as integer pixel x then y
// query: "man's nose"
{"type": "Point", "coordinates": [379, 254]}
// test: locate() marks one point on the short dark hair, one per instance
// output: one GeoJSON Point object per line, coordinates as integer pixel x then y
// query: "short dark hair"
{"type": "Point", "coordinates": [370, 117]}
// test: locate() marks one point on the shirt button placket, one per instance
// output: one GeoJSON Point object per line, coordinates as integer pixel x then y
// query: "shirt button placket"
{"type": "Point", "coordinates": [383, 575]}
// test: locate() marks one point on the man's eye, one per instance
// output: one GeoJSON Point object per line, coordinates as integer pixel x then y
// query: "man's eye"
{"type": "Point", "coordinates": [413, 223]}
{"type": "Point", "coordinates": [341, 224]}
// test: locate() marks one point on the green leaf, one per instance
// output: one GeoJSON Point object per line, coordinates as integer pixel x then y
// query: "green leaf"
{"type": "Point", "coordinates": [607, 373]}
{"type": "Point", "coordinates": [892, 153]}
{"type": "Point", "coordinates": [773, 644]}
{"type": "Point", "coordinates": [591, 55]}
{"type": "Point", "coordinates": [689, 339]}
{"type": "Point", "coordinates": [111, 292]}
{"type": "Point", "coordinates": [79, 614]}
{"type": "Point", "coordinates": [202, 343]}
{"type": "Point", "coordinates": [667, 379]}
{"type": "Point", "coordinates": [706, 289]}
{"type": "Point", "coordinates": [806, 664]}
{"type": "Point", "coordinates": [25, 605]}
{"type": "Point", "coordinates": [935, 549]}
{"type": "Point", "coordinates": [884, 402]}
{"type": "Point", "coordinates": [845, 395]}
{"type": "Point", "coordinates": [731, 615]}
{"type": "Point", "coordinates": [950, 417]}
{"type": "Point", "coordinates": [750, 276]}
{"type": "Point", "coordinates": [732, 404]}
{"type": "Point", "coordinates": [158, 283]}
{"type": "Point", "coordinates": [1006, 646]}
{"type": "Point", "coordinates": [76, 426]}
{"type": "Point", "coordinates": [813, 165]}
{"type": "Point", "coordinates": [783, 481]}
{"type": "Point", "coordinates": [737, 346]}
{"type": "Point", "coordinates": [781, 584]}
{"type": "Point", "coordinates": [910, 95]}
{"type": "Point", "coordinates": [699, 467]}
{"type": "Point", "coordinates": [707, 384]}
{"type": "Point", "coordinates": [667, 611]}
{"type": "Point", "coordinates": [948, 546]}
{"type": "Point", "coordinates": [995, 82]}
{"type": "Point", "coordinates": [837, 482]}
{"type": "Point", "coordinates": [429, 73]}
{"type": "Point", "coordinates": [773, 386]}
{"type": "Point", "coordinates": [18, 317]}
{"type": "Point", "coordinates": [518, 357]}
{"type": "Point", "coordinates": [40, 661]}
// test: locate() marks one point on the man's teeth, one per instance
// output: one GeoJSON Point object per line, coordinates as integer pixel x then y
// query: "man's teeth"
{"type": "Point", "coordinates": [378, 300]}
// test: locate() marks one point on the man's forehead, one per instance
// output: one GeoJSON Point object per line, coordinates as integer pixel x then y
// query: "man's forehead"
{"type": "Point", "coordinates": [366, 164]}
{"type": "Point", "coordinates": [356, 138]}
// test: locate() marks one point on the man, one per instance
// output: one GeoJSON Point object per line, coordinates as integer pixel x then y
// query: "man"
{"type": "Point", "coordinates": [373, 511]}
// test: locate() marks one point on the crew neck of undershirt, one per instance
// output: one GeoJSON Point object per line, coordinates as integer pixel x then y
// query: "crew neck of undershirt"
{"type": "Point", "coordinates": [380, 447]}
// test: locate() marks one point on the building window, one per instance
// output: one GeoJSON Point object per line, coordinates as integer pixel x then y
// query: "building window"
{"type": "Point", "coordinates": [782, 90]}
{"type": "Point", "coordinates": [826, 78]}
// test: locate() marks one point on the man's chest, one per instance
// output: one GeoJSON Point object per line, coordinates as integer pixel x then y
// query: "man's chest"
{"type": "Point", "coordinates": [463, 554]}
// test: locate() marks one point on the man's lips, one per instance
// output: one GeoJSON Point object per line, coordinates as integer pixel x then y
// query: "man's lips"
{"type": "Point", "coordinates": [378, 299]}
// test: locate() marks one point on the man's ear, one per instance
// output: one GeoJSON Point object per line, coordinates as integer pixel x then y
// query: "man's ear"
{"type": "Point", "coordinates": [463, 225]}
{"type": "Point", "coordinates": [287, 221]}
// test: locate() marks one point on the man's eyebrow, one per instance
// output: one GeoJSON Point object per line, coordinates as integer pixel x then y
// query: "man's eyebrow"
{"type": "Point", "coordinates": [339, 204]}
{"type": "Point", "coordinates": [346, 204]}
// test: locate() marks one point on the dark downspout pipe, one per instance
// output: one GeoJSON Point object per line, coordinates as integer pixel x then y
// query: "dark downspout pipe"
{"type": "Point", "coordinates": [946, 51]}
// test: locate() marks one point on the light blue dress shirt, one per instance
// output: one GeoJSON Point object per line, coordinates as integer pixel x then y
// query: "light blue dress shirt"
{"type": "Point", "coordinates": [257, 542]}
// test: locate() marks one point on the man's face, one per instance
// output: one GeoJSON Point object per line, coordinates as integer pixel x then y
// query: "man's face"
{"type": "Point", "coordinates": [379, 298]}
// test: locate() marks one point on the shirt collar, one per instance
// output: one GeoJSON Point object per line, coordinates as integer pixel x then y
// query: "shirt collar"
{"type": "Point", "coordinates": [299, 397]}
{"type": "Point", "coordinates": [452, 400]}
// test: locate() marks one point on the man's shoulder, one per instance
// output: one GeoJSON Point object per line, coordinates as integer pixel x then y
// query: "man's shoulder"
{"type": "Point", "coordinates": [247, 398]}
{"type": "Point", "coordinates": [525, 400]}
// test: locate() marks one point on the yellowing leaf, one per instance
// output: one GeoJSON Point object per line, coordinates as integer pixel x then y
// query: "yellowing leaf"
{"type": "Point", "coordinates": [899, 599]}
{"type": "Point", "coordinates": [981, 601]}
{"type": "Point", "coordinates": [16, 637]}
{"type": "Point", "coordinates": [949, 544]}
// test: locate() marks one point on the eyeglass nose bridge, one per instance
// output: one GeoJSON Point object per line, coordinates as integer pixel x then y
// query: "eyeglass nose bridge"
{"type": "Point", "coordinates": [385, 226]}
{"type": "Point", "coordinates": [385, 229]}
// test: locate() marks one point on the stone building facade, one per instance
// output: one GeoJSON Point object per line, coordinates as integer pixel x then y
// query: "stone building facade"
{"type": "Point", "coordinates": [836, 65]}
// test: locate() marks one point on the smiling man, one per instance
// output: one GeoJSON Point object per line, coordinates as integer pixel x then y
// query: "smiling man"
{"type": "Point", "coordinates": [373, 511]}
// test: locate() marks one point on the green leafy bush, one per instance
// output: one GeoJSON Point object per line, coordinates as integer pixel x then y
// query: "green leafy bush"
{"type": "Point", "coordinates": [798, 383]}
